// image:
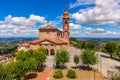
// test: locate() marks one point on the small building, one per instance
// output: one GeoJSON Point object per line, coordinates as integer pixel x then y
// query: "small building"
{"type": "Point", "coordinates": [1, 58]}
{"type": "Point", "coordinates": [50, 37]}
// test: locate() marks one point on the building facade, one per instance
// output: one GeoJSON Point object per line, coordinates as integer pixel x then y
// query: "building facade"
{"type": "Point", "coordinates": [50, 37]}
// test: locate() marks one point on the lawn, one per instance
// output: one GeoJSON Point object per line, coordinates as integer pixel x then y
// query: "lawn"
{"type": "Point", "coordinates": [81, 75]}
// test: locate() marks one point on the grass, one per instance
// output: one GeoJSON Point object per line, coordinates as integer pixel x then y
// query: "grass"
{"type": "Point", "coordinates": [81, 75]}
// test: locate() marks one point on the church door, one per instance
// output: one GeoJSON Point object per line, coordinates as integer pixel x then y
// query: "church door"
{"type": "Point", "coordinates": [52, 52]}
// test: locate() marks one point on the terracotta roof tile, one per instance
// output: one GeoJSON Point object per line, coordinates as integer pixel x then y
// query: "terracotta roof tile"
{"type": "Point", "coordinates": [57, 40]}
{"type": "Point", "coordinates": [1, 57]}
{"type": "Point", "coordinates": [35, 41]}
{"type": "Point", "coordinates": [24, 44]}
{"type": "Point", "coordinates": [54, 40]}
{"type": "Point", "coordinates": [48, 27]}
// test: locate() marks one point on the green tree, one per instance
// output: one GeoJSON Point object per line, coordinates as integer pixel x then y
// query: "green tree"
{"type": "Point", "coordinates": [5, 72]}
{"type": "Point", "coordinates": [118, 51]}
{"type": "Point", "coordinates": [17, 70]}
{"type": "Point", "coordinates": [62, 57]}
{"type": "Point", "coordinates": [83, 44]}
{"type": "Point", "coordinates": [30, 65]}
{"type": "Point", "coordinates": [91, 45]}
{"type": "Point", "coordinates": [24, 55]}
{"type": "Point", "coordinates": [88, 57]}
{"type": "Point", "coordinates": [110, 47]}
{"type": "Point", "coordinates": [40, 55]}
{"type": "Point", "coordinates": [76, 59]}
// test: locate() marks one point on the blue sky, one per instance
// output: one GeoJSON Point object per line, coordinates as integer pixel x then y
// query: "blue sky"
{"type": "Point", "coordinates": [89, 18]}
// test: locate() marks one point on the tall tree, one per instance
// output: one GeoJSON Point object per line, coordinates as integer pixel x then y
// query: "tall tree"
{"type": "Point", "coordinates": [20, 68]}
{"type": "Point", "coordinates": [62, 57]}
{"type": "Point", "coordinates": [40, 55]}
{"type": "Point", "coordinates": [5, 72]}
{"type": "Point", "coordinates": [88, 57]}
{"type": "Point", "coordinates": [91, 45]}
{"type": "Point", "coordinates": [110, 47]}
{"type": "Point", "coordinates": [76, 59]}
{"type": "Point", "coordinates": [27, 61]}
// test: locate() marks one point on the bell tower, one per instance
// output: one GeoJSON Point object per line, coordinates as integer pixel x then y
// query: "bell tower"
{"type": "Point", "coordinates": [66, 28]}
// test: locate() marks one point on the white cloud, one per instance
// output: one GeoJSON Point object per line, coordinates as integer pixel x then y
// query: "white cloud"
{"type": "Point", "coordinates": [93, 32]}
{"type": "Point", "coordinates": [75, 33]}
{"type": "Point", "coordinates": [81, 2]}
{"type": "Point", "coordinates": [21, 26]}
{"type": "Point", "coordinates": [100, 32]}
{"type": "Point", "coordinates": [32, 20]}
{"type": "Point", "coordinates": [74, 26]}
{"type": "Point", "coordinates": [35, 18]}
{"type": "Point", "coordinates": [105, 12]}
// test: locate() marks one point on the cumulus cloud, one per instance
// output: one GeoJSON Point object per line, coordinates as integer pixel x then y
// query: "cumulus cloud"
{"type": "Point", "coordinates": [75, 33]}
{"type": "Point", "coordinates": [74, 26]}
{"type": "Point", "coordinates": [81, 2]}
{"type": "Point", "coordinates": [21, 26]}
{"type": "Point", "coordinates": [101, 32]}
{"type": "Point", "coordinates": [105, 12]}
{"type": "Point", "coordinates": [32, 20]}
{"type": "Point", "coordinates": [98, 30]}
{"type": "Point", "coordinates": [35, 18]}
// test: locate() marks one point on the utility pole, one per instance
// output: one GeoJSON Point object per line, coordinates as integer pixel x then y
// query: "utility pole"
{"type": "Point", "coordinates": [94, 74]}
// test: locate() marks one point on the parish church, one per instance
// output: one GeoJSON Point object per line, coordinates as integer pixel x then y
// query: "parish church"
{"type": "Point", "coordinates": [50, 37]}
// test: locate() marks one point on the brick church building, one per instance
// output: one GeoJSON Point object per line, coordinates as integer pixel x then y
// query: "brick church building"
{"type": "Point", "coordinates": [50, 37]}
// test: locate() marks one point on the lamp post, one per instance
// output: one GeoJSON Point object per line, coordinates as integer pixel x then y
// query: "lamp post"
{"type": "Point", "coordinates": [94, 73]}
{"type": "Point", "coordinates": [101, 65]}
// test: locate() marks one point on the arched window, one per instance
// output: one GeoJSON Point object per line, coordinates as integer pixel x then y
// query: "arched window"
{"type": "Point", "coordinates": [66, 22]}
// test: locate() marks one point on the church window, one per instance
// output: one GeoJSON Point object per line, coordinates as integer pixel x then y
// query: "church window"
{"type": "Point", "coordinates": [66, 22]}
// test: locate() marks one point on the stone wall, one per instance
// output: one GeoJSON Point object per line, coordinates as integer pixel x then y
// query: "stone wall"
{"type": "Point", "coordinates": [45, 35]}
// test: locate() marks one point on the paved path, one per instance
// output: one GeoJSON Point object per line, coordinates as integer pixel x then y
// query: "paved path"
{"type": "Point", "coordinates": [45, 74]}
{"type": "Point", "coordinates": [49, 61]}
{"type": "Point", "coordinates": [72, 51]}
{"type": "Point", "coordinates": [106, 63]}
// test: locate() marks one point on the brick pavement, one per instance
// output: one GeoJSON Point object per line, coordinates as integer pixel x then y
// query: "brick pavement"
{"type": "Point", "coordinates": [45, 74]}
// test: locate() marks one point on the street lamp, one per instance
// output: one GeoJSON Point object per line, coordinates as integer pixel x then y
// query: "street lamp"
{"type": "Point", "coordinates": [94, 73]}
{"type": "Point", "coordinates": [101, 65]}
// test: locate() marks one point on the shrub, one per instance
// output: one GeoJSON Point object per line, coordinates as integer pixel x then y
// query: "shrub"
{"type": "Point", "coordinates": [58, 74]}
{"type": "Point", "coordinates": [71, 74]}
{"type": "Point", "coordinates": [116, 76]}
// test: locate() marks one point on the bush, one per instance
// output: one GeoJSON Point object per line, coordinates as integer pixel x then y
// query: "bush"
{"type": "Point", "coordinates": [71, 74]}
{"type": "Point", "coordinates": [116, 76]}
{"type": "Point", "coordinates": [58, 74]}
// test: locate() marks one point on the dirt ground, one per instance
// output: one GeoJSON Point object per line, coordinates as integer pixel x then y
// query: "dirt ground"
{"type": "Point", "coordinates": [81, 75]}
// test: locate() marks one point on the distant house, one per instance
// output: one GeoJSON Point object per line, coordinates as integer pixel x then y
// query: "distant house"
{"type": "Point", "coordinates": [1, 58]}
{"type": "Point", "coordinates": [50, 37]}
